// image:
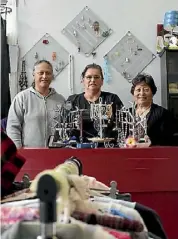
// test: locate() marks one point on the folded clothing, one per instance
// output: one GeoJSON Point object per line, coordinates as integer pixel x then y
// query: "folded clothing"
{"type": "Point", "coordinates": [11, 215]}
{"type": "Point", "coordinates": [109, 221]}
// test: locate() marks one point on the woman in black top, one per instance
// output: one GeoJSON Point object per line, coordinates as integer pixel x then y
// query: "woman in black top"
{"type": "Point", "coordinates": [160, 122]}
{"type": "Point", "coordinates": [92, 79]}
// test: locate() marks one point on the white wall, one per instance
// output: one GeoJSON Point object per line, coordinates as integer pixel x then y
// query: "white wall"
{"type": "Point", "coordinates": [36, 17]}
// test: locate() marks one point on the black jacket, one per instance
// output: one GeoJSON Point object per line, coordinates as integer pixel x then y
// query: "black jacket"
{"type": "Point", "coordinates": [161, 126]}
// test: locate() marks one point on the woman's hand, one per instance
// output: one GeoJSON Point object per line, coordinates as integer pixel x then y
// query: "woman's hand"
{"type": "Point", "coordinates": [146, 144]}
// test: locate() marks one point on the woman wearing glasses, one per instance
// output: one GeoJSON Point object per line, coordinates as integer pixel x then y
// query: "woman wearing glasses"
{"type": "Point", "coordinates": [92, 79]}
{"type": "Point", "coordinates": [30, 116]}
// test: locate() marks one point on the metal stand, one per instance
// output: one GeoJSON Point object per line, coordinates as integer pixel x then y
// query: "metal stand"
{"type": "Point", "coordinates": [81, 127]}
{"type": "Point", "coordinates": [46, 192]}
{"type": "Point", "coordinates": [129, 125]}
{"type": "Point", "coordinates": [100, 114]}
{"type": "Point", "coordinates": [114, 193]}
{"type": "Point", "coordinates": [113, 189]}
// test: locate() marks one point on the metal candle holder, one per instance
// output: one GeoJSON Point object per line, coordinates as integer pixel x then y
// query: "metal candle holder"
{"type": "Point", "coordinates": [130, 125]}
{"type": "Point", "coordinates": [100, 114]}
{"type": "Point", "coordinates": [65, 121]}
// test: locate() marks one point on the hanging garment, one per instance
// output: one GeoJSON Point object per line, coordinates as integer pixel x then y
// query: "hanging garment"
{"type": "Point", "coordinates": [152, 220]}
{"type": "Point", "coordinates": [109, 221]}
{"type": "Point", "coordinates": [11, 163]}
{"type": "Point", "coordinates": [5, 70]}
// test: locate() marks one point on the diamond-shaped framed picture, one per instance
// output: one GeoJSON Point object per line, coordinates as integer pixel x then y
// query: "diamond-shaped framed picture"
{"type": "Point", "coordinates": [87, 31]}
{"type": "Point", "coordinates": [129, 56]}
{"type": "Point", "coordinates": [47, 48]}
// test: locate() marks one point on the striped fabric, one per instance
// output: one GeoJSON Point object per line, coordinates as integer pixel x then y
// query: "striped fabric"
{"type": "Point", "coordinates": [109, 221]}
{"type": "Point", "coordinates": [11, 163]}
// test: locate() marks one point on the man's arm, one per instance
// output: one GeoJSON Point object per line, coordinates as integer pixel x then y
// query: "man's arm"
{"type": "Point", "coordinates": [15, 121]}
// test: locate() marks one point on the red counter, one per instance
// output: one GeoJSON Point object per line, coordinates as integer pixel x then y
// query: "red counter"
{"type": "Point", "coordinates": [150, 175]}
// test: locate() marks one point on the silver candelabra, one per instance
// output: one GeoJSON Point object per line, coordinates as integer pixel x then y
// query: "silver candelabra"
{"type": "Point", "coordinates": [130, 125]}
{"type": "Point", "coordinates": [100, 114]}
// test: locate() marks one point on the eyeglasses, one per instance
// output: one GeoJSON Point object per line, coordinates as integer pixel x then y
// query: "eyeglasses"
{"type": "Point", "coordinates": [93, 77]}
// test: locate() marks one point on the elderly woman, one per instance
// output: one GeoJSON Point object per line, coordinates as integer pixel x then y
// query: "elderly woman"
{"type": "Point", "coordinates": [160, 122]}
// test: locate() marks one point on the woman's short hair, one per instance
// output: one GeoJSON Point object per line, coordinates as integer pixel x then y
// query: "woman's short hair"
{"type": "Point", "coordinates": [92, 66]}
{"type": "Point", "coordinates": [148, 79]}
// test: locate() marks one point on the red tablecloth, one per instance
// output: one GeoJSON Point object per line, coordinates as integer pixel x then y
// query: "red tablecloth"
{"type": "Point", "coordinates": [150, 175]}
